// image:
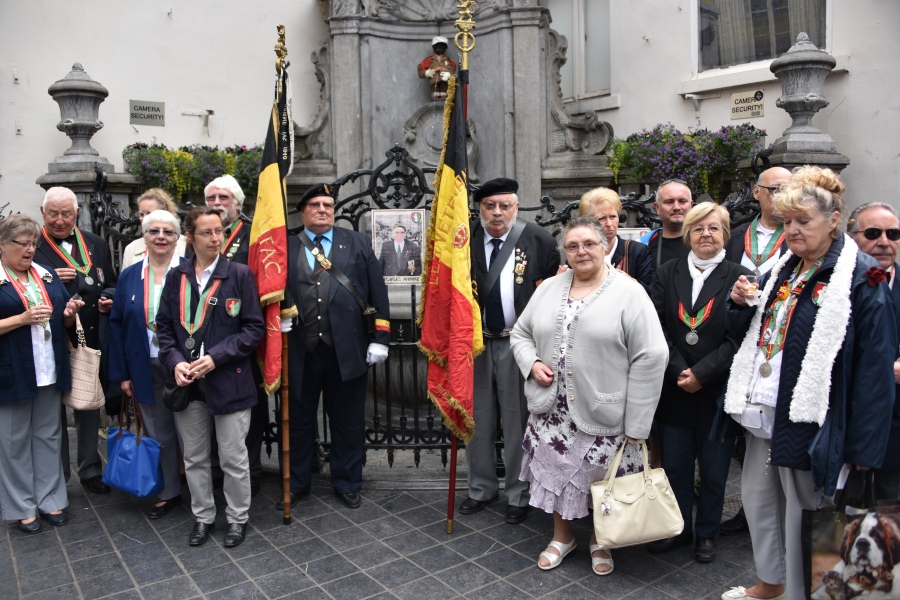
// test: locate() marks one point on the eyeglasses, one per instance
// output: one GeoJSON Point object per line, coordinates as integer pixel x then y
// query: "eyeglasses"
{"type": "Point", "coordinates": [588, 246]}
{"type": "Point", "coordinates": [219, 197]}
{"type": "Point", "coordinates": [320, 205]}
{"type": "Point", "coordinates": [773, 189]}
{"type": "Point", "coordinates": [503, 206]}
{"type": "Point", "coordinates": [712, 229]}
{"type": "Point", "coordinates": [155, 231]}
{"type": "Point", "coordinates": [873, 233]}
{"type": "Point", "coordinates": [35, 244]}
{"type": "Point", "coordinates": [208, 232]}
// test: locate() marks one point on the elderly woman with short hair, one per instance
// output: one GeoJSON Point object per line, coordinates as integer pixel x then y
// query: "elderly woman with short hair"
{"type": "Point", "coordinates": [35, 309]}
{"type": "Point", "coordinates": [690, 295]}
{"type": "Point", "coordinates": [151, 200]}
{"type": "Point", "coordinates": [604, 342]}
{"type": "Point", "coordinates": [812, 382]}
{"type": "Point", "coordinates": [629, 256]}
{"type": "Point", "coordinates": [134, 347]}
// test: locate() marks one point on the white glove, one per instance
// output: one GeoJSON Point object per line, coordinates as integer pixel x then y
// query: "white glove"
{"type": "Point", "coordinates": [376, 353]}
{"type": "Point", "coordinates": [286, 325]}
{"type": "Point", "coordinates": [429, 72]}
{"type": "Point", "coordinates": [445, 75]}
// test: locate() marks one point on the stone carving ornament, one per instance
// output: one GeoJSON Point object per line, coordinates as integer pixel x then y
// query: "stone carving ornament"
{"type": "Point", "coordinates": [315, 140]}
{"type": "Point", "coordinates": [584, 133]}
{"type": "Point", "coordinates": [409, 10]}
{"type": "Point", "coordinates": [423, 138]}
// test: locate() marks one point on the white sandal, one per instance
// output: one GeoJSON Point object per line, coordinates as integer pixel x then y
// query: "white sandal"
{"type": "Point", "coordinates": [597, 561]}
{"type": "Point", "coordinates": [555, 559]}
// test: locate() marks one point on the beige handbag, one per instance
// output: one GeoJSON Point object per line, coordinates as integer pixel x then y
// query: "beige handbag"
{"type": "Point", "coordinates": [86, 392]}
{"type": "Point", "coordinates": [636, 508]}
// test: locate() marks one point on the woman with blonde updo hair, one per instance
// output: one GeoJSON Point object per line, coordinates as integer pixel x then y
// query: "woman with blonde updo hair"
{"type": "Point", "coordinates": [629, 256]}
{"type": "Point", "coordinates": [812, 382]}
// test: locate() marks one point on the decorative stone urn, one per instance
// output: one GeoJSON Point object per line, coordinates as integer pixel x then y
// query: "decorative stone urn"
{"type": "Point", "coordinates": [79, 99]}
{"type": "Point", "coordinates": [802, 71]}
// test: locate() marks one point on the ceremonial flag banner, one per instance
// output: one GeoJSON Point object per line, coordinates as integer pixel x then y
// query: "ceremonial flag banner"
{"type": "Point", "coordinates": [268, 235]}
{"type": "Point", "coordinates": [449, 315]}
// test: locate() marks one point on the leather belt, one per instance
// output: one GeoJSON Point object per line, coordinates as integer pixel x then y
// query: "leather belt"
{"type": "Point", "coordinates": [502, 334]}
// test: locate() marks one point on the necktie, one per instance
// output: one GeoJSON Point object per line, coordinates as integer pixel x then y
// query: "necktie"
{"type": "Point", "coordinates": [317, 240]}
{"type": "Point", "coordinates": [494, 309]}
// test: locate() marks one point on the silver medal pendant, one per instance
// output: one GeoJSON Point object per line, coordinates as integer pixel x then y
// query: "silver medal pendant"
{"type": "Point", "coordinates": [692, 337]}
{"type": "Point", "coordinates": [765, 369]}
{"type": "Point", "coordinates": [155, 340]}
{"type": "Point", "coordinates": [189, 343]}
{"type": "Point", "coordinates": [757, 273]}
{"type": "Point", "coordinates": [89, 280]}
{"type": "Point", "coordinates": [47, 333]}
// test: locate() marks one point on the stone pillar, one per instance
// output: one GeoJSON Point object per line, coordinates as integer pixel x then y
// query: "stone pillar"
{"type": "Point", "coordinates": [79, 98]}
{"type": "Point", "coordinates": [528, 101]}
{"type": "Point", "coordinates": [345, 97]}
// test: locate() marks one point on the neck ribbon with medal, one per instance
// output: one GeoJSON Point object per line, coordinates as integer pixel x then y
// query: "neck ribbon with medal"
{"type": "Point", "coordinates": [32, 293]}
{"type": "Point", "coordinates": [152, 292]}
{"type": "Point", "coordinates": [751, 245]}
{"type": "Point", "coordinates": [694, 322]}
{"type": "Point", "coordinates": [193, 322]}
{"type": "Point", "coordinates": [778, 316]}
{"type": "Point", "coordinates": [233, 241]}
{"type": "Point", "coordinates": [85, 268]}
{"type": "Point", "coordinates": [320, 257]}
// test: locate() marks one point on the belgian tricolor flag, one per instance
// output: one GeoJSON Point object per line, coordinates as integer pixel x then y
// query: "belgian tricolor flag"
{"type": "Point", "coordinates": [449, 315]}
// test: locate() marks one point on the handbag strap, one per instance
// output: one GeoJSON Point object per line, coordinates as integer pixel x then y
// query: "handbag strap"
{"type": "Point", "coordinates": [858, 491]}
{"type": "Point", "coordinates": [624, 264]}
{"type": "Point", "coordinates": [79, 332]}
{"type": "Point", "coordinates": [125, 418]}
{"type": "Point", "coordinates": [331, 270]}
{"type": "Point", "coordinates": [614, 467]}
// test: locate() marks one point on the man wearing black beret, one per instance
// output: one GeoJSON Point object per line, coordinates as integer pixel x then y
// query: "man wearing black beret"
{"type": "Point", "coordinates": [510, 258]}
{"type": "Point", "coordinates": [331, 270]}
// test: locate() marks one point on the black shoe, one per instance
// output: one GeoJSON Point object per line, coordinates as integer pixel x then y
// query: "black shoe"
{"type": "Point", "coordinates": [735, 526]}
{"type": "Point", "coordinates": [470, 506]}
{"type": "Point", "coordinates": [705, 550]}
{"type": "Point", "coordinates": [255, 486]}
{"type": "Point", "coordinates": [157, 512]}
{"type": "Point", "coordinates": [96, 485]}
{"type": "Point", "coordinates": [295, 498]}
{"type": "Point", "coordinates": [33, 527]}
{"type": "Point", "coordinates": [235, 534]}
{"type": "Point", "coordinates": [515, 514]}
{"type": "Point", "coordinates": [350, 499]}
{"type": "Point", "coordinates": [200, 533]}
{"type": "Point", "coordinates": [669, 544]}
{"type": "Point", "coordinates": [55, 520]}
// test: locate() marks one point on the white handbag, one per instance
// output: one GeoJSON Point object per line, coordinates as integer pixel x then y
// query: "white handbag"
{"type": "Point", "coordinates": [84, 362]}
{"type": "Point", "coordinates": [636, 508]}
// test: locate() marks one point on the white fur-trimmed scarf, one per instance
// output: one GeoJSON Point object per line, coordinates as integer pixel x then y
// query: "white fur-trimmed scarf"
{"type": "Point", "coordinates": [809, 402]}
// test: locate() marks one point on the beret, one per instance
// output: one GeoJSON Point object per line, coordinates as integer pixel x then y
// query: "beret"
{"type": "Point", "coordinates": [501, 185]}
{"type": "Point", "coordinates": [321, 189]}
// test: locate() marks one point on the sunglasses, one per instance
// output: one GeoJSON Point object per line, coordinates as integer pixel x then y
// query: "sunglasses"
{"type": "Point", "coordinates": [773, 189]}
{"type": "Point", "coordinates": [873, 233]}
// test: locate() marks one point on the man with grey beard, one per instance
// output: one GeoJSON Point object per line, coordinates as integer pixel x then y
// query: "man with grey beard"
{"type": "Point", "coordinates": [510, 258]}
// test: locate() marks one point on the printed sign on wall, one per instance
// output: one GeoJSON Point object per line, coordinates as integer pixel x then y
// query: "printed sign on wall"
{"type": "Point", "coordinates": [144, 112]}
{"type": "Point", "coordinates": [747, 105]}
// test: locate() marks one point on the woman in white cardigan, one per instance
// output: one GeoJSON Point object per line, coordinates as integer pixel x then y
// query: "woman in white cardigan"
{"type": "Point", "coordinates": [592, 377]}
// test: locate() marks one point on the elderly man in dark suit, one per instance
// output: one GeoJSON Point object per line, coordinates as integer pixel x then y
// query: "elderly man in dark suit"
{"type": "Point", "coordinates": [876, 230]}
{"type": "Point", "coordinates": [331, 271]}
{"type": "Point", "coordinates": [83, 263]}
{"type": "Point", "coordinates": [505, 281]}
{"type": "Point", "coordinates": [399, 257]}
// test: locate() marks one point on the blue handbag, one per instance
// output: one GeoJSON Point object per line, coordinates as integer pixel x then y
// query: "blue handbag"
{"type": "Point", "coordinates": [133, 458]}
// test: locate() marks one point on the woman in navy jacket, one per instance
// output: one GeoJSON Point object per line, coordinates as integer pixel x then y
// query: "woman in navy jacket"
{"type": "Point", "coordinates": [35, 309]}
{"type": "Point", "coordinates": [202, 288]}
{"type": "Point", "coordinates": [134, 347]}
{"type": "Point", "coordinates": [813, 379]}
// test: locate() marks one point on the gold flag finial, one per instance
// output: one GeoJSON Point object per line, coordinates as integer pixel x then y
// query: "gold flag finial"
{"type": "Point", "coordinates": [464, 40]}
{"type": "Point", "coordinates": [280, 51]}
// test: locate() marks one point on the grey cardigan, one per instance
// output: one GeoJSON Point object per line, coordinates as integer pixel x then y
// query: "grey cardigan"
{"type": "Point", "coordinates": [616, 354]}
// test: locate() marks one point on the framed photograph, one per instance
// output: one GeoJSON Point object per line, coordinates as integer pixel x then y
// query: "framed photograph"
{"type": "Point", "coordinates": [398, 238]}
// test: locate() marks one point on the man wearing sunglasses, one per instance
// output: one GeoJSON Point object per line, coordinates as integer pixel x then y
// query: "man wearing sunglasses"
{"type": "Point", "coordinates": [876, 230]}
{"type": "Point", "coordinates": [759, 244]}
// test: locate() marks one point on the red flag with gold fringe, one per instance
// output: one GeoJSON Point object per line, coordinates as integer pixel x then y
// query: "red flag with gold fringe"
{"type": "Point", "coordinates": [449, 314]}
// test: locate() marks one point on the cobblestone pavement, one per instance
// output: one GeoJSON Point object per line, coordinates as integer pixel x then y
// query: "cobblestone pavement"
{"type": "Point", "coordinates": [394, 546]}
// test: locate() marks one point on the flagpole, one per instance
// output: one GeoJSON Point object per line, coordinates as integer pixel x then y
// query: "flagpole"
{"type": "Point", "coordinates": [465, 42]}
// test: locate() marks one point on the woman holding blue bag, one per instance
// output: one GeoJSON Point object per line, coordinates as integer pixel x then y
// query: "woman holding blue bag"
{"type": "Point", "coordinates": [134, 348]}
{"type": "Point", "coordinates": [34, 369]}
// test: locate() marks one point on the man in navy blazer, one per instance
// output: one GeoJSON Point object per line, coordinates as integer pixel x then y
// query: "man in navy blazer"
{"type": "Point", "coordinates": [876, 230]}
{"type": "Point", "coordinates": [332, 344]}
{"type": "Point", "coordinates": [400, 257]}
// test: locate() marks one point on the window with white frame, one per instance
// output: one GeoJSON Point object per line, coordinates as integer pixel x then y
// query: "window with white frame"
{"type": "Point", "coordinates": [585, 24]}
{"type": "Point", "coordinates": [734, 32]}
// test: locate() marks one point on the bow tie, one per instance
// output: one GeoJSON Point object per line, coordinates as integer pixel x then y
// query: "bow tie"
{"type": "Point", "coordinates": [70, 238]}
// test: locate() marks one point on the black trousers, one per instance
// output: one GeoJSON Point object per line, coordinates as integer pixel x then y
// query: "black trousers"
{"type": "Point", "coordinates": [345, 406]}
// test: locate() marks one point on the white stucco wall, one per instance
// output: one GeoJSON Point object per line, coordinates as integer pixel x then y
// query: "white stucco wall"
{"type": "Point", "coordinates": [191, 54]}
{"type": "Point", "coordinates": [653, 60]}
